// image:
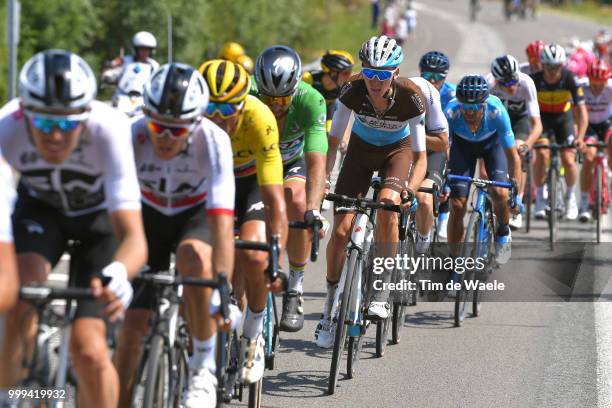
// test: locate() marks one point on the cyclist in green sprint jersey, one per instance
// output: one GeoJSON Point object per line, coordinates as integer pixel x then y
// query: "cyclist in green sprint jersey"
{"type": "Point", "coordinates": [300, 113]}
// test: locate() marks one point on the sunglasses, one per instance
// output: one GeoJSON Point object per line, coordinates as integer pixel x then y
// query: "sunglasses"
{"type": "Point", "coordinates": [510, 83]}
{"type": "Point", "coordinates": [435, 76]}
{"type": "Point", "coordinates": [380, 74]}
{"type": "Point", "coordinates": [176, 132]}
{"type": "Point", "coordinates": [554, 67]}
{"type": "Point", "coordinates": [472, 106]}
{"type": "Point", "coordinates": [47, 122]}
{"type": "Point", "coordinates": [224, 110]}
{"type": "Point", "coordinates": [277, 100]}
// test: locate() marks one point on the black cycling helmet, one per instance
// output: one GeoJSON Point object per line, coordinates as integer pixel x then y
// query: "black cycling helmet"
{"type": "Point", "coordinates": [472, 89]}
{"type": "Point", "coordinates": [434, 61]}
{"type": "Point", "coordinates": [337, 60]}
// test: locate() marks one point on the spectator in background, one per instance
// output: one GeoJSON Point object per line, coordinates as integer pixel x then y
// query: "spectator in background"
{"type": "Point", "coordinates": [375, 12]}
{"type": "Point", "coordinates": [411, 20]}
{"type": "Point", "coordinates": [401, 31]}
{"type": "Point", "coordinates": [387, 28]}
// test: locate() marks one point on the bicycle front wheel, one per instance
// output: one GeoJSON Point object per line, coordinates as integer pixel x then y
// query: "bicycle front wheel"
{"type": "Point", "coordinates": [552, 213]}
{"type": "Point", "coordinates": [598, 191]}
{"type": "Point", "coordinates": [528, 198]}
{"type": "Point", "coordinates": [255, 394]}
{"type": "Point", "coordinates": [341, 322]}
{"type": "Point", "coordinates": [468, 249]}
{"type": "Point", "coordinates": [151, 389]}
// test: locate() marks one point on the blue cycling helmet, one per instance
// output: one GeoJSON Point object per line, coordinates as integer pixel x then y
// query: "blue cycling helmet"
{"type": "Point", "coordinates": [472, 89]}
{"type": "Point", "coordinates": [381, 52]}
{"type": "Point", "coordinates": [434, 61]}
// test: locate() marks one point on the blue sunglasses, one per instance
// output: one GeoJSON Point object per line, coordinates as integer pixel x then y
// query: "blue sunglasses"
{"type": "Point", "coordinates": [381, 74]}
{"type": "Point", "coordinates": [225, 110]}
{"type": "Point", "coordinates": [46, 123]}
{"type": "Point", "coordinates": [435, 76]}
{"type": "Point", "coordinates": [472, 106]}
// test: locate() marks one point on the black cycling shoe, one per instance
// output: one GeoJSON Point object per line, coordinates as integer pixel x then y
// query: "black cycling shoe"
{"type": "Point", "coordinates": [292, 319]}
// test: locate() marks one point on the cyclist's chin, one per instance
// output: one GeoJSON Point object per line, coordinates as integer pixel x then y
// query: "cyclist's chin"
{"type": "Point", "coordinates": [55, 156]}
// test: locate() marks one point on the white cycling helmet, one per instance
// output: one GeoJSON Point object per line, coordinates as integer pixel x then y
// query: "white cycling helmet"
{"type": "Point", "coordinates": [505, 68]}
{"type": "Point", "coordinates": [57, 80]}
{"type": "Point", "coordinates": [144, 39]}
{"type": "Point", "coordinates": [176, 91]}
{"type": "Point", "coordinates": [553, 54]}
{"type": "Point", "coordinates": [381, 52]}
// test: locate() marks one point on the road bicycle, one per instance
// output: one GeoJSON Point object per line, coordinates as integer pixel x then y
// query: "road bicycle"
{"type": "Point", "coordinates": [528, 192]}
{"type": "Point", "coordinates": [555, 210]}
{"type": "Point", "coordinates": [478, 243]}
{"type": "Point", "coordinates": [599, 196]}
{"type": "Point", "coordinates": [162, 374]}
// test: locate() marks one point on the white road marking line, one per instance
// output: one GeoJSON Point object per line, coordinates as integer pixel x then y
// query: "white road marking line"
{"type": "Point", "coordinates": [603, 333]}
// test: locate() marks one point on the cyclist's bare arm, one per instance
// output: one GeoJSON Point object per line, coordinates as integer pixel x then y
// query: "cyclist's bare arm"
{"type": "Point", "coordinates": [340, 124]}
{"type": "Point", "coordinates": [582, 119]}
{"type": "Point", "coordinates": [438, 142]}
{"type": "Point", "coordinates": [275, 209]}
{"type": "Point", "coordinates": [514, 163]}
{"type": "Point", "coordinates": [315, 180]}
{"type": "Point", "coordinates": [129, 230]}
{"type": "Point", "coordinates": [222, 233]}
{"type": "Point", "coordinates": [9, 280]}
{"type": "Point", "coordinates": [536, 130]}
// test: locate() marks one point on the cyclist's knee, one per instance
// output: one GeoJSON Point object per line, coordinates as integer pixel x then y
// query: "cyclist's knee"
{"type": "Point", "coordinates": [499, 194]}
{"type": "Point", "coordinates": [252, 260]}
{"type": "Point", "coordinates": [135, 326]}
{"type": "Point", "coordinates": [458, 205]}
{"type": "Point", "coordinates": [32, 267]}
{"type": "Point", "coordinates": [89, 349]}
{"type": "Point", "coordinates": [424, 200]}
{"type": "Point", "coordinates": [193, 257]}
{"type": "Point", "coordinates": [387, 220]}
{"type": "Point", "coordinates": [296, 202]}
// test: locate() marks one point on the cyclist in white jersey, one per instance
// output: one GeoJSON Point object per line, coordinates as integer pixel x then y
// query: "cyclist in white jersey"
{"type": "Point", "coordinates": [8, 264]}
{"type": "Point", "coordinates": [436, 127]}
{"type": "Point", "coordinates": [518, 93]}
{"type": "Point", "coordinates": [185, 169]}
{"type": "Point", "coordinates": [598, 100]}
{"type": "Point", "coordinates": [78, 182]}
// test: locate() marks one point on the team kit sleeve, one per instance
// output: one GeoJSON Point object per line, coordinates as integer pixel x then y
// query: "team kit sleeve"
{"type": "Point", "coordinates": [7, 195]}
{"type": "Point", "coordinates": [340, 121]}
{"type": "Point", "coordinates": [314, 117]}
{"type": "Point", "coordinates": [533, 108]}
{"type": "Point", "coordinates": [436, 120]}
{"type": "Point", "coordinates": [219, 165]}
{"type": "Point", "coordinates": [576, 90]}
{"type": "Point", "coordinates": [417, 132]}
{"type": "Point", "coordinates": [264, 142]}
{"type": "Point", "coordinates": [120, 178]}
{"type": "Point", "coordinates": [504, 128]}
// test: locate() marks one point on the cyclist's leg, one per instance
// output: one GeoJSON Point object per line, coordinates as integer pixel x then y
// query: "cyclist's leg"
{"type": "Point", "coordinates": [98, 378]}
{"type": "Point", "coordinates": [194, 256]}
{"type": "Point", "coordinates": [436, 164]}
{"type": "Point", "coordinates": [565, 134]}
{"type": "Point", "coordinates": [462, 162]}
{"type": "Point", "coordinates": [586, 175]}
{"type": "Point", "coordinates": [541, 160]}
{"type": "Point", "coordinates": [521, 128]}
{"type": "Point", "coordinates": [394, 180]}
{"type": "Point", "coordinates": [39, 243]}
{"type": "Point", "coordinates": [497, 165]}
{"type": "Point", "coordinates": [160, 233]}
{"type": "Point", "coordinates": [298, 245]}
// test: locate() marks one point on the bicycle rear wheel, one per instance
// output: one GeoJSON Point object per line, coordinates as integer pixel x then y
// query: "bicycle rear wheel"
{"type": "Point", "coordinates": [598, 191]}
{"type": "Point", "coordinates": [528, 198]}
{"type": "Point", "coordinates": [341, 322]}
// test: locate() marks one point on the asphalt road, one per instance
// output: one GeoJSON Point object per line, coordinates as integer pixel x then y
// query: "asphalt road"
{"type": "Point", "coordinates": [545, 353]}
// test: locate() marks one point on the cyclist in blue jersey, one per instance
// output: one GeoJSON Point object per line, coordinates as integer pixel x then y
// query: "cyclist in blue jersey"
{"type": "Point", "coordinates": [479, 127]}
{"type": "Point", "coordinates": [434, 67]}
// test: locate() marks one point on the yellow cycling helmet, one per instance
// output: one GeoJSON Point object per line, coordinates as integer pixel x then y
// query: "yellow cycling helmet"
{"type": "Point", "coordinates": [227, 81]}
{"type": "Point", "coordinates": [231, 51]}
{"type": "Point", "coordinates": [336, 60]}
{"type": "Point", "coordinates": [246, 62]}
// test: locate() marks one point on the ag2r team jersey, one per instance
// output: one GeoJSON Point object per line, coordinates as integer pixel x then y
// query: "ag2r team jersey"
{"type": "Point", "coordinates": [404, 117]}
{"type": "Point", "coordinates": [99, 174]}
{"type": "Point", "coordinates": [304, 129]}
{"type": "Point", "coordinates": [520, 104]}
{"type": "Point", "coordinates": [201, 173]}
{"type": "Point", "coordinates": [495, 122]}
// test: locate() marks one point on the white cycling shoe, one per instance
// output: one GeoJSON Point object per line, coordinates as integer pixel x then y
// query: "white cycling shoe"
{"type": "Point", "coordinates": [443, 226]}
{"type": "Point", "coordinates": [516, 222]}
{"type": "Point", "coordinates": [572, 208]}
{"type": "Point", "coordinates": [503, 248]}
{"type": "Point", "coordinates": [325, 333]}
{"type": "Point", "coordinates": [379, 310]}
{"type": "Point", "coordinates": [540, 209]}
{"type": "Point", "coordinates": [202, 391]}
{"type": "Point", "coordinates": [254, 360]}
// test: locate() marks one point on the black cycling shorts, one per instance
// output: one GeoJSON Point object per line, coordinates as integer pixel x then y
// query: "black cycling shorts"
{"type": "Point", "coordinates": [249, 205]}
{"type": "Point", "coordinates": [46, 231]}
{"type": "Point", "coordinates": [599, 130]}
{"type": "Point", "coordinates": [561, 126]}
{"type": "Point", "coordinates": [436, 166]}
{"type": "Point", "coordinates": [464, 155]}
{"type": "Point", "coordinates": [521, 126]}
{"type": "Point", "coordinates": [164, 233]}
{"type": "Point", "coordinates": [295, 170]}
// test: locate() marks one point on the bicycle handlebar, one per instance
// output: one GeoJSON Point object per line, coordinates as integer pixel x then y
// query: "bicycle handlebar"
{"type": "Point", "coordinates": [273, 249]}
{"type": "Point", "coordinates": [553, 146]}
{"type": "Point", "coordinates": [45, 294]}
{"type": "Point", "coordinates": [363, 203]}
{"type": "Point", "coordinates": [316, 227]}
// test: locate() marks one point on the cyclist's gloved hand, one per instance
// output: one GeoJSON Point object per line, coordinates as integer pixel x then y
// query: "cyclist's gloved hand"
{"type": "Point", "coordinates": [312, 216]}
{"type": "Point", "coordinates": [407, 198]}
{"type": "Point", "coordinates": [119, 283]}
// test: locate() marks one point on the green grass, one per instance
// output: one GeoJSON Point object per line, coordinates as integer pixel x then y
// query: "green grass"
{"type": "Point", "coordinates": [344, 28]}
{"type": "Point", "coordinates": [589, 10]}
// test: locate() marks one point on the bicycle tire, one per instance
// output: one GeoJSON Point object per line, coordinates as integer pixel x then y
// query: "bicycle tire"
{"type": "Point", "coordinates": [353, 356]}
{"type": "Point", "coordinates": [490, 230]}
{"type": "Point", "coordinates": [341, 324]}
{"type": "Point", "coordinates": [461, 297]}
{"type": "Point", "coordinates": [528, 198]}
{"type": "Point", "coordinates": [552, 214]}
{"type": "Point", "coordinates": [181, 360]}
{"type": "Point", "coordinates": [355, 342]}
{"type": "Point", "coordinates": [156, 368]}
{"type": "Point", "coordinates": [598, 192]}
{"type": "Point", "coordinates": [399, 308]}
{"type": "Point", "coordinates": [255, 394]}
{"type": "Point", "coordinates": [382, 336]}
